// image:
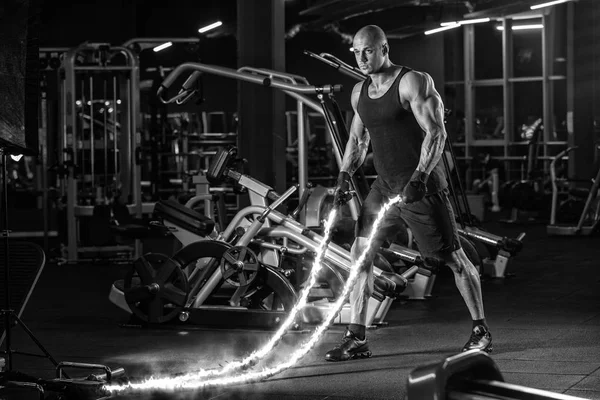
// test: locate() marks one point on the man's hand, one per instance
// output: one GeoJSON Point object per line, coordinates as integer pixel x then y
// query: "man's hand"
{"type": "Point", "coordinates": [342, 190]}
{"type": "Point", "coordinates": [416, 188]}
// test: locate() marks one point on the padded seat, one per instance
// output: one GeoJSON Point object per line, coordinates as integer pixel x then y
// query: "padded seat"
{"type": "Point", "coordinates": [129, 227]}
{"type": "Point", "coordinates": [185, 217]}
{"type": "Point", "coordinates": [580, 193]}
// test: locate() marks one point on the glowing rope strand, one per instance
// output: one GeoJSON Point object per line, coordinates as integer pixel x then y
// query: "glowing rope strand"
{"type": "Point", "coordinates": [300, 304]}
{"type": "Point", "coordinates": [265, 350]}
{"type": "Point", "coordinates": [181, 383]}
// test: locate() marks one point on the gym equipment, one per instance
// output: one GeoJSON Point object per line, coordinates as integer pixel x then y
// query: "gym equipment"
{"type": "Point", "coordinates": [588, 215]}
{"type": "Point", "coordinates": [31, 260]}
{"type": "Point", "coordinates": [248, 251]}
{"type": "Point", "coordinates": [22, 386]}
{"type": "Point", "coordinates": [201, 257]}
{"type": "Point", "coordinates": [500, 249]}
{"type": "Point", "coordinates": [100, 115]}
{"type": "Point", "coordinates": [526, 197]}
{"type": "Point", "coordinates": [503, 247]}
{"type": "Point", "coordinates": [469, 375]}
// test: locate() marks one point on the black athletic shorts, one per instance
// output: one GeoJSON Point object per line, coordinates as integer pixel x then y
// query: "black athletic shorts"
{"type": "Point", "coordinates": [431, 221]}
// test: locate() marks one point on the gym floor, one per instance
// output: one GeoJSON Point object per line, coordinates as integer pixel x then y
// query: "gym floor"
{"type": "Point", "coordinates": [545, 321]}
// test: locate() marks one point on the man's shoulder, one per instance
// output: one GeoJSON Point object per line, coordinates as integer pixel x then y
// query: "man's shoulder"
{"type": "Point", "coordinates": [358, 86]}
{"type": "Point", "coordinates": [412, 76]}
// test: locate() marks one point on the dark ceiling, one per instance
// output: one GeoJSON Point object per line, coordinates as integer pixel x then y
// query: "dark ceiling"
{"type": "Point", "coordinates": [66, 21]}
{"type": "Point", "coordinates": [399, 18]}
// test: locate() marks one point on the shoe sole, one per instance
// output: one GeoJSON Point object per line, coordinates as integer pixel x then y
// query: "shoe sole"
{"type": "Point", "coordinates": [487, 349]}
{"type": "Point", "coordinates": [362, 354]}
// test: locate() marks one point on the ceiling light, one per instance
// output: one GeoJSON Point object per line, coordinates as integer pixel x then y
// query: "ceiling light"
{"type": "Point", "coordinates": [522, 27]}
{"type": "Point", "coordinates": [163, 46]}
{"type": "Point", "coordinates": [548, 4]}
{"type": "Point", "coordinates": [473, 21]}
{"type": "Point", "coordinates": [443, 28]}
{"type": "Point", "coordinates": [209, 27]}
{"type": "Point", "coordinates": [465, 22]}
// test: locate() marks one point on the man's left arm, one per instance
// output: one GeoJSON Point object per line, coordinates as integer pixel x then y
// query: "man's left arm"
{"type": "Point", "coordinates": [428, 109]}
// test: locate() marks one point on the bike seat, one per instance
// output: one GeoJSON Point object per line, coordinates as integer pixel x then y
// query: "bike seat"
{"type": "Point", "coordinates": [184, 217]}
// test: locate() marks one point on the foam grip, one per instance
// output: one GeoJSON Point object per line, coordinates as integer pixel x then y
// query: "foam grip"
{"type": "Point", "coordinates": [219, 164]}
{"type": "Point", "coordinates": [391, 283]}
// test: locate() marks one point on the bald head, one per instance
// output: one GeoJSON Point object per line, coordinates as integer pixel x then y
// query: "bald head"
{"type": "Point", "coordinates": [371, 49]}
{"type": "Point", "coordinates": [372, 34]}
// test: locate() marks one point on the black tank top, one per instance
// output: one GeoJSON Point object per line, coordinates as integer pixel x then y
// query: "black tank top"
{"type": "Point", "coordinates": [396, 138]}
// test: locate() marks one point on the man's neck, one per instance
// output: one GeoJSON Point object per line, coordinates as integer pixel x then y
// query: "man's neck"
{"type": "Point", "coordinates": [384, 74]}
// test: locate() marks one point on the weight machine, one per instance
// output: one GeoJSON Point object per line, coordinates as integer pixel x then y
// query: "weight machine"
{"type": "Point", "coordinates": [503, 248]}
{"type": "Point", "coordinates": [195, 228]}
{"type": "Point", "coordinates": [99, 146]}
{"type": "Point", "coordinates": [238, 277]}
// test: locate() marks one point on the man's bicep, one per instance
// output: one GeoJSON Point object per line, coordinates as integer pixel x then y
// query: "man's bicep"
{"type": "Point", "coordinates": [358, 131]}
{"type": "Point", "coordinates": [428, 111]}
{"type": "Point", "coordinates": [427, 107]}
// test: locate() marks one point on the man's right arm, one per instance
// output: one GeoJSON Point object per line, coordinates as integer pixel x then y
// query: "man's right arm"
{"type": "Point", "coordinates": [358, 141]}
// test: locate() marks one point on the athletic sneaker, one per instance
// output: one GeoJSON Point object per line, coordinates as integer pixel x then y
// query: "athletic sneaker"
{"type": "Point", "coordinates": [351, 347]}
{"type": "Point", "coordinates": [481, 339]}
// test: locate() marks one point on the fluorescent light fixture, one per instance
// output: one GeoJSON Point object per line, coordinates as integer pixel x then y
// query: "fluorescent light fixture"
{"type": "Point", "coordinates": [443, 28]}
{"type": "Point", "coordinates": [526, 16]}
{"type": "Point", "coordinates": [209, 27]}
{"type": "Point", "coordinates": [522, 27]}
{"type": "Point", "coordinates": [163, 46]}
{"type": "Point", "coordinates": [16, 157]}
{"type": "Point", "coordinates": [466, 22]}
{"type": "Point", "coordinates": [548, 4]}
{"type": "Point", "coordinates": [474, 21]}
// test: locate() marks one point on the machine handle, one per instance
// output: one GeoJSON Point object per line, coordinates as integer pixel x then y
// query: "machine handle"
{"type": "Point", "coordinates": [279, 201]}
{"type": "Point", "coordinates": [232, 73]}
{"type": "Point", "coordinates": [253, 229]}
{"type": "Point", "coordinates": [302, 201]}
{"type": "Point", "coordinates": [62, 365]}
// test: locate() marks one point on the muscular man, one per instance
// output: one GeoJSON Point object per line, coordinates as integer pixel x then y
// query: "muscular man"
{"type": "Point", "coordinates": [400, 112]}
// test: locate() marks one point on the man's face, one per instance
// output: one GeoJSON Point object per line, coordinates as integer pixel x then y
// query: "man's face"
{"type": "Point", "coordinates": [369, 54]}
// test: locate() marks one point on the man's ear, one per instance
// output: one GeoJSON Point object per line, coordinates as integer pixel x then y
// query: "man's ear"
{"type": "Point", "coordinates": [385, 49]}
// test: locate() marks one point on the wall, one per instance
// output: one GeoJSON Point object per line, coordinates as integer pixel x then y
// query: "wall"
{"type": "Point", "coordinates": [66, 23]}
{"type": "Point", "coordinates": [584, 97]}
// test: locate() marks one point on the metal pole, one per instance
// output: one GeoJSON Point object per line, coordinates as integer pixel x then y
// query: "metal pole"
{"type": "Point", "coordinates": [7, 310]}
{"type": "Point", "coordinates": [546, 90]}
{"type": "Point", "coordinates": [105, 138]}
{"type": "Point", "coordinates": [92, 147]}
{"type": "Point", "coordinates": [115, 139]}
{"type": "Point", "coordinates": [356, 202]}
{"type": "Point", "coordinates": [71, 150]}
{"type": "Point", "coordinates": [302, 150]}
{"type": "Point", "coordinates": [457, 206]}
{"type": "Point", "coordinates": [507, 60]}
{"type": "Point", "coordinates": [42, 137]}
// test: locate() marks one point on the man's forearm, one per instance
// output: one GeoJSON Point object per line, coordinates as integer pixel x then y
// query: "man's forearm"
{"type": "Point", "coordinates": [432, 150]}
{"type": "Point", "coordinates": [354, 156]}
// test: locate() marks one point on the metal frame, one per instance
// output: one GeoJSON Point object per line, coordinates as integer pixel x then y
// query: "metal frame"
{"type": "Point", "coordinates": [294, 86]}
{"type": "Point", "coordinates": [125, 143]}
